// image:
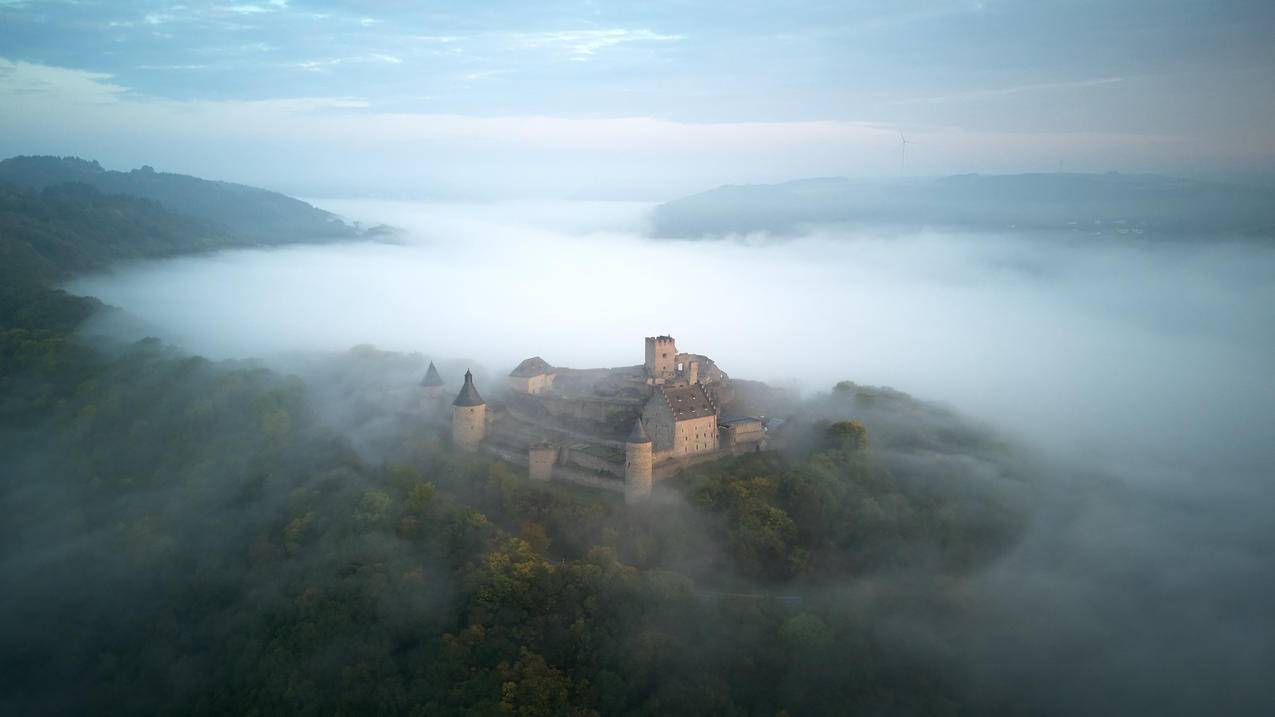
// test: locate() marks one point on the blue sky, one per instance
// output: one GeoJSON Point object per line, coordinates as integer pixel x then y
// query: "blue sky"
{"type": "Point", "coordinates": [642, 96]}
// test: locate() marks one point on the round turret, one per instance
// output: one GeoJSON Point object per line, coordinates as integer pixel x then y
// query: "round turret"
{"type": "Point", "coordinates": [637, 465]}
{"type": "Point", "coordinates": [432, 384]}
{"type": "Point", "coordinates": [469, 416]}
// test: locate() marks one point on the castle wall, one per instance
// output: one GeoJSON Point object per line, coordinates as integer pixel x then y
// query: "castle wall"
{"type": "Point", "coordinates": [742, 437]}
{"type": "Point", "coordinates": [571, 474]}
{"type": "Point", "coordinates": [540, 460]}
{"type": "Point", "coordinates": [706, 372]}
{"type": "Point", "coordinates": [667, 465]}
{"type": "Point", "coordinates": [469, 426]}
{"type": "Point", "coordinates": [580, 457]}
{"type": "Point", "coordinates": [611, 416]}
{"type": "Point", "coordinates": [604, 481]}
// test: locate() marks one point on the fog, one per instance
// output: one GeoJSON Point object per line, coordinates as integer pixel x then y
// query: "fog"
{"type": "Point", "coordinates": [1135, 351]}
{"type": "Point", "coordinates": [1135, 375]}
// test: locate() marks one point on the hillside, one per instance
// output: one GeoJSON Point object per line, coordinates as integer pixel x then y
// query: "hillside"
{"type": "Point", "coordinates": [263, 216]}
{"type": "Point", "coordinates": [49, 235]}
{"type": "Point", "coordinates": [211, 527]}
{"type": "Point", "coordinates": [1090, 204]}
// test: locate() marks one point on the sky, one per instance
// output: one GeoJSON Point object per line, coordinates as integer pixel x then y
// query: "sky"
{"type": "Point", "coordinates": [641, 100]}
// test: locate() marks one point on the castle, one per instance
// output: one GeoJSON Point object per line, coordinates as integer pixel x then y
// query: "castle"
{"type": "Point", "coordinates": [621, 429]}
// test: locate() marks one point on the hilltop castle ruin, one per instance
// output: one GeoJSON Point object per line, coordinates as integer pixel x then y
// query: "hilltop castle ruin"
{"type": "Point", "coordinates": [623, 429]}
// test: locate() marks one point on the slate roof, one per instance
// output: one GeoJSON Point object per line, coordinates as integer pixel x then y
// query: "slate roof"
{"type": "Point", "coordinates": [468, 395]}
{"type": "Point", "coordinates": [638, 434]}
{"type": "Point", "coordinates": [533, 366]}
{"type": "Point", "coordinates": [688, 402]}
{"type": "Point", "coordinates": [431, 377]}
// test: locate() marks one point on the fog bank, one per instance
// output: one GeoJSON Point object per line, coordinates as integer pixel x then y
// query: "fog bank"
{"type": "Point", "coordinates": [1071, 341]}
{"type": "Point", "coordinates": [1140, 369]}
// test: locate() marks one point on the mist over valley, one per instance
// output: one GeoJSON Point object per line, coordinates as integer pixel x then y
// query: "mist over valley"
{"type": "Point", "coordinates": [1128, 378]}
{"type": "Point", "coordinates": [585, 359]}
{"type": "Point", "coordinates": [1017, 328]}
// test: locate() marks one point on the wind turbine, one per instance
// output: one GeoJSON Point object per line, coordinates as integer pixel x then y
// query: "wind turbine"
{"type": "Point", "coordinates": [903, 151]}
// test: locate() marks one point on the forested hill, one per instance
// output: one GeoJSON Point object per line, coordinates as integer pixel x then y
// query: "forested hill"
{"type": "Point", "coordinates": [62, 229]}
{"type": "Point", "coordinates": [189, 537]}
{"type": "Point", "coordinates": [1110, 205]}
{"type": "Point", "coordinates": [61, 216]}
{"type": "Point", "coordinates": [263, 216]}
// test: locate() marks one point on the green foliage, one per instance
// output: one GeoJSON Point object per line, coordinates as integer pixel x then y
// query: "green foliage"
{"type": "Point", "coordinates": [261, 575]}
{"type": "Point", "coordinates": [373, 507]}
{"type": "Point", "coordinates": [838, 510]}
{"type": "Point", "coordinates": [188, 537]}
{"type": "Point", "coordinates": [74, 227]}
{"type": "Point", "coordinates": [804, 632]}
{"type": "Point", "coordinates": [846, 436]}
{"type": "Point", "coordinates": [258, 215]}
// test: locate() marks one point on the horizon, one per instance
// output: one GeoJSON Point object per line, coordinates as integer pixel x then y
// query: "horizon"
{"type": "Point", "coordinates": [636, 101]}
{"type": "Point", "coordinates": [1255, 180]}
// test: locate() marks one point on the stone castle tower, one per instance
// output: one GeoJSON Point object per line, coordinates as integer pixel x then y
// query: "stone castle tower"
{"type": "Point", "coordinates": [661, 357]}
{"type": "Point", "coordinates": [432, 384]}
{"type": "Point", "coordinates": [637, 464]}
{"type": "Point", "coordinates": [469, 416]}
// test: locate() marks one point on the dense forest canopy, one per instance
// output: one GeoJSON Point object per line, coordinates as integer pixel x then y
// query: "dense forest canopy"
{"type": "Point", "coordinates": [254, 214]}
{"type": "Point", "coordinates": [197, 537]}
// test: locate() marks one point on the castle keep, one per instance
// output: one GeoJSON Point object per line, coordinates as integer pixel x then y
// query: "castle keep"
{"type": "Point", "coordinates": [621, 429]}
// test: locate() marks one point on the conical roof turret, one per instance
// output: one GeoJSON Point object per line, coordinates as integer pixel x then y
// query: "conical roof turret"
{"type": "Point", "coordinates": [468, 395]}
{"type": "Point", "coordinates": [638, 434]}
{"type": "Point", "coordinates": [431, 377]}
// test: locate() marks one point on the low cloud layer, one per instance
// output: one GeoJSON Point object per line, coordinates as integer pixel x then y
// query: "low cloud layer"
{"type": "Point", "coordinates": [1134, 375]}
{"type": "Point", "coordinates": [1116, 336]}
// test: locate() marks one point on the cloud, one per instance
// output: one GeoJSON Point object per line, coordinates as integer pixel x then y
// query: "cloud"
{"type": "Point", "coordinates": [188, 14]}
{"type": "Point", "coordinates": [250, 9]}
{"type": "Point", "coordinates": [48, 90]}
{"type": "Point", "coordinates": [357, 141]}
{"type": "Point", "coordinates": [60, 86]}
{"type": "Point", "coordinates": [583, 43]}
{"type": "Point", "coordinates": [192, 66]}
{"type": "Point", "coordinates": [333, 61]}
{"type": "Point", "coordinates": [33, 82]}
